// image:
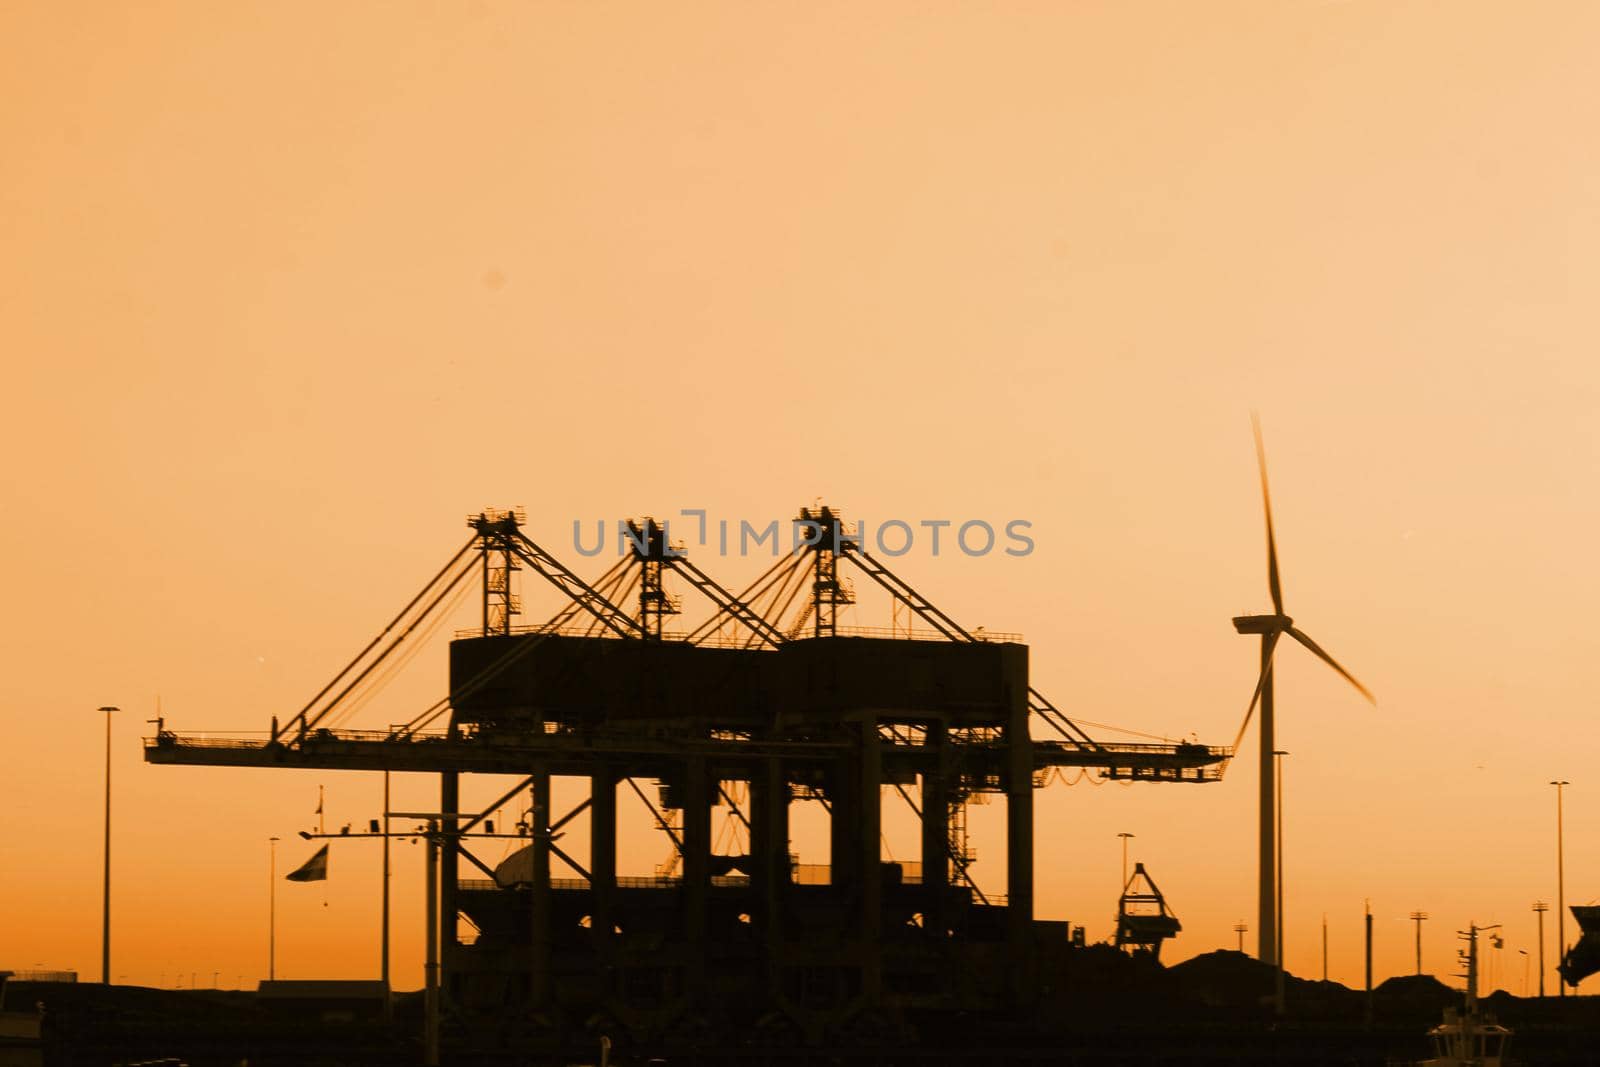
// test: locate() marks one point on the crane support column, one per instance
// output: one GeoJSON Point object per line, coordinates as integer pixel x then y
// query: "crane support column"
{"type": "Point", "coordinates": [449, 868]}
{"type": "Point", "coordinates": [603, 854]}
{"type": "Point", "coordinates": [869, 804]}
{"type": "Point", "coordinates": [540, 985]}
{"type": "Point", "coordinates": [935, 829]}
{"type": "Point", "coordinates": [769, 853]}
{"type": "Point", "coordinates": [696, 870]}
{"type": "Point", "coordinates": [1019, 845]}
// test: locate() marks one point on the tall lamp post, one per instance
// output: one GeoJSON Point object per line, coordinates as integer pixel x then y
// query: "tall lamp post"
{"type": "Point", "coordinates": [105, 912]}
{"type": "Point", "coordinates": [272, 912]}
{"type": "Point", "coordinates": [1561, 892]}
{"type": "Point", "coordinates": [1541, 907]}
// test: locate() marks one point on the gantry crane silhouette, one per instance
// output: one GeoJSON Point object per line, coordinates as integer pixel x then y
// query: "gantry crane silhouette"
{"type": "Point", "coordinates": [768, 701]}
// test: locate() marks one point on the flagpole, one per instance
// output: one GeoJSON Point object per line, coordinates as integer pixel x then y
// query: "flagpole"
{"type": "Point", "coordinates": [322, 829]}
{"type": "Point", "coordinates": [388, 1002]}
{"type": "Point", "coordinates": [430, 967]}
{"type": "Point", "coordinates": [272, 913]}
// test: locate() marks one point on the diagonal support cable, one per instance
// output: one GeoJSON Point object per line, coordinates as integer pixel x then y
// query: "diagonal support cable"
{"type": "Point", "coordinates": [423, 592]}
{"type": "Point", "coordinates": [925, 609]}
{"type": "Point", "coordinates": [903, 592]}
{"type": "Point", "coordinates": [557, 574]}
{"type": "Point", "coordinates": [727, 603]}
{"type": "Point", "coordinates": [308, 723]}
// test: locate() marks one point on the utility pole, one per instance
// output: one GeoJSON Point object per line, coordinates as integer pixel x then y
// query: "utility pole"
{"type": "Point", "coordinates": [1240, 928]}
{"type": "Point", "coordinates": [1324, 946]}
{"type": "Point", "coordinates": [437, 839]}
{"type": "Point", "coordinates": [1470, 936]}
{"type": "Point", "coordinates": [272, 912]}
{"type": "Point", "coordinates": [1561, 892]}
{"type": "Point", "coordinates": [105, 914]}
{"type": "Point", "coordinates": [1541, 907]}
{"type": "Point", "coordinates": [1418, 917]}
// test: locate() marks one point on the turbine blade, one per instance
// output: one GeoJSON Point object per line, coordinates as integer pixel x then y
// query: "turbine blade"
{"type": "Point", "coordinates": [1266, 503]}
{"type": "Point", "coordinates": [1261, 683]}
{"type": "Point", "coordinates": [1330, 661]}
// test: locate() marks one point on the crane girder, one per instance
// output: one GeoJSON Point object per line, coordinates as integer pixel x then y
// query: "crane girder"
{"type": "Point", "coordinates": [575, 753]}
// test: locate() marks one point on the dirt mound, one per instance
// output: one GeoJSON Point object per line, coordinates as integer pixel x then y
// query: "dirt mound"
{"type": "Point", "coordinates": [92, 999]}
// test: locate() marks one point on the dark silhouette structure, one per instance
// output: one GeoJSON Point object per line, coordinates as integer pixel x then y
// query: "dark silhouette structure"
{"type": "Point", "coordinates": [1144, 921]}
{"type": "Point", "coordinates": [1583, 958]}
{"type": "Point", "coordinates": [768, 703]}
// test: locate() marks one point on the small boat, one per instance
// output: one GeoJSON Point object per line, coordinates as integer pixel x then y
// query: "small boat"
{"type": "Point", "coordinates": [1469, 1037]}
{"type": "Point", "coordinates": [1465, 1038]}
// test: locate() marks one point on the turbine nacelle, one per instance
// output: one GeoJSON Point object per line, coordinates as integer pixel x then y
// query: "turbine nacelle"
{"type": "Point", "coordinates": [1262, 624]}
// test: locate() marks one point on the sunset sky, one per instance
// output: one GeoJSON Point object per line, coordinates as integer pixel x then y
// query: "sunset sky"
{"type": "Point", "coordinates": [287, 290]}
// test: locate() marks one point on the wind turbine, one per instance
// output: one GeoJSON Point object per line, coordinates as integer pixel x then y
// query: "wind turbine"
{"type": "Point", "coordinates": [1270, 628]}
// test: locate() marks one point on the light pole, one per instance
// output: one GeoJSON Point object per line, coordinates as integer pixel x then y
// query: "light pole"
{"type": "Point", "coordinates": [1277, 765]}
{"type": "Point", "coordinates": [1541, 907]}
{"type": "Point", "coordinates": [388, 998]}
{"type": "Point", "coordinates": [1124, 884]}
{"type": "Point", "coordinates": [272, 912]}
{"type": "Point", "coordinates": [1366, 918]}
{"type": "Point", "coordinates": [1240, 928]}
{"type": "Point", "coordinates": [1561, 892]}
{"type": "Point", "coordinates": [105, 913]}
{"type": "Point", "coordinates": [1418, 917]}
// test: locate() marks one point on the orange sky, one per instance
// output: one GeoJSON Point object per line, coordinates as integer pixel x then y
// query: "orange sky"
{"type": "Point", "coordinates": [288, 289]}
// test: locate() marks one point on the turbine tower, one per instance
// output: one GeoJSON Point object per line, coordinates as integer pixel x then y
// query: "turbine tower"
{"type": "Point", "coordinates": [1270, 628]}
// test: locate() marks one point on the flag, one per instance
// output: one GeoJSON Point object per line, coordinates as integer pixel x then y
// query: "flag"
{"type": "Point", "coordinates": [314, 869]}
